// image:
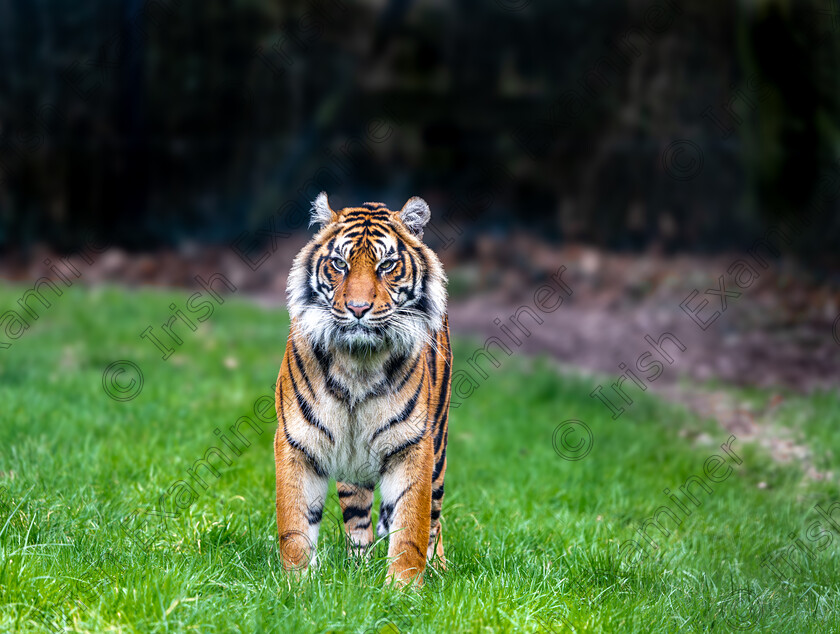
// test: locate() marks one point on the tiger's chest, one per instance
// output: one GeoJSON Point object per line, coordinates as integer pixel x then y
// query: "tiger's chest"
{"type": "Point", "coordinates": [365, 425]}
{"type": "Point", "coordinates": [350, 457]}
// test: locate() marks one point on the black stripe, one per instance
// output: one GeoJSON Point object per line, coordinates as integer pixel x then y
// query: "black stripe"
{"type": "Point", "coordinates": [435, 514]}
{"type": "Point", "coordinates": [357, 489]}
{"type": "Point", "coordinates": [409, 374]}
{"type": "Point", "coordinates": [310, 299]}
{"type": "Point", "coordinates": [441, 429]}
{"type": "Point", "coordinates": [323, 360]}
{"type": "Point", "coordinates": [402, 260]}
{"type": "Point", "coordinates": [446, 386]}
{"type": "Point", "coordinates": [408, 443]}
{"type": "Point", "coordinates": [393, 365]}
{"type": "Point", "coordinates": [362, 527]}
{"type": "Point", "coordinates": [431, 362]}
{"type": "Point", "coordinates": [385, 512]}
{"type": "Point", "coordinates": [403, 415]}
{"type": "Point", "coordinates": [335, 388]}
{"type": "Point", "coordinates": [314, 516]}
{"type": "Point", "coordinates": [327, 270]}
{"type": "Point", "coordinates": [423, 302]}
{"type": "Point", "coordinates": [343, 493]}
{"type": "Point", "coordinates": [437, 493]}
{"type": "Point", "coordinates": [354, 511]}
{"type": "Point", "coordinates": [386, 509]}
{"type": "Point", "coordinates": [374, 212]}
{"type": "Point", "coordinates": [306, 410]}
{"type": "Point", "coordinates": [296, 445]}
{"type": "Point", "coordinates": [299, 364]}
{"type": "Point", "coordinates": [445, 436]}
{"type": "Point", "coordinates": [439, 465]}
{"type": "Point", "coordinates": [391, 369]}
{"type": "Point", "coordinates": [414, 268]}
{"type": "Point", "coordinates": [441, 414]}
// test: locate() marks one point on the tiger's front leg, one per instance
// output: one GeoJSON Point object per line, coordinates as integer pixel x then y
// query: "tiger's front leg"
{"type": "Point", "coordinates": [356, 502]}
{"type": "Point", "coordinates": [405, 513]}
{"type": "Point", "coordinates": [301, 493]}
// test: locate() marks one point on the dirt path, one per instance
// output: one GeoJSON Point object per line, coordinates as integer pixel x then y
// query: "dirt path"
{"type": "Point", "coordinates": [802, 359]}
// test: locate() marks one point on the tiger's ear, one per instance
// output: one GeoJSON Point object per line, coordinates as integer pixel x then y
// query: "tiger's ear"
{"type": "Point", "coordinates": [321, 213]}
{"type": "Point", "coordinates": [415, 214]}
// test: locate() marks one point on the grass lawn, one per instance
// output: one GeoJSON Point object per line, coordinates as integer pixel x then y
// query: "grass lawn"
{"type": "Point", "coordinates": [534, 542]}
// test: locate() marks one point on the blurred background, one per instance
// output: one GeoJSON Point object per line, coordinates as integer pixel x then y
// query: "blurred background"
{"type": "Point", "coordinates": [645, 145]}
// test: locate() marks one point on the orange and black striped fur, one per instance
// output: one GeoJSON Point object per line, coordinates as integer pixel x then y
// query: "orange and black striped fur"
{"type": "Point", "coordinates": [363, 391]}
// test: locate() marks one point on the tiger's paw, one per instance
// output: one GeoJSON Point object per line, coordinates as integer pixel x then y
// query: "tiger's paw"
{"type": "Point", "coordinates": [408, 579]}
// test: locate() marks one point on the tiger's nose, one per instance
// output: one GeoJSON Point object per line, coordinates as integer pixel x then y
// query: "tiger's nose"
{"type": "Point", "coordinates": [358, 308]}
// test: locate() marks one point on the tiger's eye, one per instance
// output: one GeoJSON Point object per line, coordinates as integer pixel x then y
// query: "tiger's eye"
{"type": "Point", "coordinates": [388, 266]}
{"type": "Point", "coordinates": [339, 264]}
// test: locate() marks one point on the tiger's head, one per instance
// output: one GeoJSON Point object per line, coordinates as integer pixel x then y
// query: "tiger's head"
{"type": "Point", "coordinates": [366, 282]}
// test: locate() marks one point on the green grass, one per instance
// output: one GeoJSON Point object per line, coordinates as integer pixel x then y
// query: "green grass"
{"type": "Point", "coordinates": [533, 541]}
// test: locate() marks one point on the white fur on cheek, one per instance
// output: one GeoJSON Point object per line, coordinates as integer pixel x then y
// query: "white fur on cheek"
{"type": "Point", "coordinates": [297, 286]}
{"type": "Point", "coordinates": [315, 326]}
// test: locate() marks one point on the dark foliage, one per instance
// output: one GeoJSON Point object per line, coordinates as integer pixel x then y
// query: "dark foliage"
{"type": "Point", "coordinates": [176, 120]}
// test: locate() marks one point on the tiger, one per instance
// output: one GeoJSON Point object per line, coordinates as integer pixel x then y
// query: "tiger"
{"type": "Point", "coordinates": [363, 391]}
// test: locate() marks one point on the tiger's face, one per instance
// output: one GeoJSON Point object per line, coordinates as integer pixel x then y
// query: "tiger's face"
{"type": "Point", "coordinates": [366, 282]}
